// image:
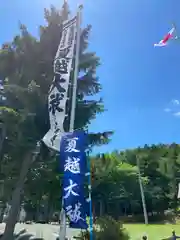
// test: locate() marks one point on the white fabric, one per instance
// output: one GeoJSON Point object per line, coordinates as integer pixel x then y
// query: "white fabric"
{"type": "Point", "coordinates": [178, 196]}
{"type": "Point", "coordinates": [171, 31]}
{"type": "Point", "coordinates": [53, 136]}
{"type": "Point", "coordinates": [160, 44]}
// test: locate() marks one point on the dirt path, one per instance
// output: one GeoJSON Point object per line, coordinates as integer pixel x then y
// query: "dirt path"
{"type": "Point", "coordinates": [43, 230]}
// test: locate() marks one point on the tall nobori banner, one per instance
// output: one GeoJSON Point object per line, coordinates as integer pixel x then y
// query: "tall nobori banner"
{"type": "Point", "coordinates": [73, 162]}
{"type": "Point", "coordinates": [58, 94]}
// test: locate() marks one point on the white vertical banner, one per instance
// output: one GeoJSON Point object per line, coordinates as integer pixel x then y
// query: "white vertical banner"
{"type": "Point", "coordinates": [178, 195]}
{"type": "Point", "coordinates": [58, 94]}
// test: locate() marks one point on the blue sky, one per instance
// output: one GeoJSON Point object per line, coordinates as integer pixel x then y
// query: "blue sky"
{"type": "Point", "coordinates": [139, 81]}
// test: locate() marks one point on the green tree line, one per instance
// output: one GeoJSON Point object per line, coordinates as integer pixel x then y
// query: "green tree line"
{"type": "Point", "coordinates": [116, 188]}
{"type": "Point", "coordinates": [115, 185]}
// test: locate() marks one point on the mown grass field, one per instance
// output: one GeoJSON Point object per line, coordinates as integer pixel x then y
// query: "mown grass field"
{"type": "Point", "coordinates": [153, 231]}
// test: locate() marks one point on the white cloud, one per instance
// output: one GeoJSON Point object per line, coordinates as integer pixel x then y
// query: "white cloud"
{"type": "Point", "coordinates": [173, 108]}
{"type": "Point", "coordinates": [175, 102]}
{"type": "Point", "coordinates": [167, 110]}
{"type": "Point", "coordinates": [177, 114]}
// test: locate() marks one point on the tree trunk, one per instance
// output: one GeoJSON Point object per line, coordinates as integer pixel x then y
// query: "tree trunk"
{"type": "Point", "coordinates": [16, 197]}
{"type": "Point", "coordinates": [3, 136]}
{"type": "Point", "coordinates": [101, 208]}
{"type": "Point", "coordinates": [2, 139]}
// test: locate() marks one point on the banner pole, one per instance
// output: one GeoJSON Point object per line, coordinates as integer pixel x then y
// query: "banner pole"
{"type": "Point", "coordinates": [76, 69]}
{"type": "Point", "coordinates": [142, 192]}
{"type": "Point", "coordinates": [62, 232]}
{"type": "Point", "coordinates": [90, 199]}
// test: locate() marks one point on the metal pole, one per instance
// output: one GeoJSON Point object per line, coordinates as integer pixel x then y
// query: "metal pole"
{"type": "Point", "coordinates": [90, 199]}
{"type": "Point", "coordinates": [76, 68]}
{"type": "Point", "coordinates": [142, 193]}
{"type": "Point", "coordinates": [62, 232]}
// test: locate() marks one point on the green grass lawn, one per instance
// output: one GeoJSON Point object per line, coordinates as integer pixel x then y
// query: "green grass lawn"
{"type": "Point", "coordinates": [153, 231]}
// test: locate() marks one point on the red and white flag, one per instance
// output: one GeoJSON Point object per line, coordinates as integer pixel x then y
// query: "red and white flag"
{"type": "Point", "coordinates": [165, 40]}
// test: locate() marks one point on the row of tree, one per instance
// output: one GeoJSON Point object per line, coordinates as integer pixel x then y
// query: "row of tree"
{"type": "Point", "coordinates": [115, 186]}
